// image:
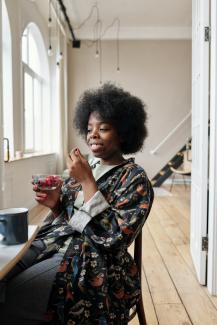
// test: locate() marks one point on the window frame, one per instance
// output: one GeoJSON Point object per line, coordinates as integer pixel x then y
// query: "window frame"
{"type": "Point", "coordinates": [7, 80]}
{"type": "Point", "coordinates": [42, 86]}
{"type": "Point", "coordinates": [27, 70]}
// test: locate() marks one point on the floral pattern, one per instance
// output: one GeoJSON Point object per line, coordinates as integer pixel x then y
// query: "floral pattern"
{"type": "Point", "coordinates": [97, 281]}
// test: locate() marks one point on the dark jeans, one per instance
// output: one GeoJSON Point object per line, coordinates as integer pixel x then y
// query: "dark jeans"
{"type": "Point", "coordinates": [27, 260]}
{"type": "Point", "coordinates": [26, 289]}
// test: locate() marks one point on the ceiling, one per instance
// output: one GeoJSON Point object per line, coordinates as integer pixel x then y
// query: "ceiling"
{"type": "Point", "coordinates": [138, 18]}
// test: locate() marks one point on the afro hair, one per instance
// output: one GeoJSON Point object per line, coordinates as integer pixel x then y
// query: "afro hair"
{"type": "Point", "coordinates": [118, 107]}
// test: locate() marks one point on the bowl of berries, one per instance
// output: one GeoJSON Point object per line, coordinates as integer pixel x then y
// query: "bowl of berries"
{"type": "Point", "coordinates": [47, 182]}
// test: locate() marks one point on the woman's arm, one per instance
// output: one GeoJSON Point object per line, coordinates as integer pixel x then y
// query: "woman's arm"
{"type": "Point", "coordinates": [80, 173]}
{"type": "Point", "coordinates": [115, 225]}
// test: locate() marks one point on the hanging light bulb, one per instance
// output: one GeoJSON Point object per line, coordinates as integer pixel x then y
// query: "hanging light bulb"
{"type": "Point", "coordinates": [96, 54]}
{"type": "Point", "coordinates": [49, 17]}
{"type": "Point", "coordinates": [49, 22]}
{"type": "Point", "coordinates": [118, 45]}
{"type": "Point", "coordinates": [60, 55]}
{"type": "Point", "coordinates": [50, 51]}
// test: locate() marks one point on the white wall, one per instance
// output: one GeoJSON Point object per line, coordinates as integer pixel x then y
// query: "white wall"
{"type": "Point", "coordinates": [21, 13]}
{"type": "Point", "coordinates": [1, 119]}
{"type": "Point", "coordinates": [17, 174]}
{"type": "Point", "coordinates": [157, 71]}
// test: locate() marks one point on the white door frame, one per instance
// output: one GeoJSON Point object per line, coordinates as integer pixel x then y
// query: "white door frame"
{"type": "Point", "coordinates": [200, 114]}
{"type": "Point", "coordinates": [212, 234]}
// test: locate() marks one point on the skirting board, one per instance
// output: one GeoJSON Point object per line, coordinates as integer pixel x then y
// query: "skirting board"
{"type": "Point", "coordinates": [178, 181]}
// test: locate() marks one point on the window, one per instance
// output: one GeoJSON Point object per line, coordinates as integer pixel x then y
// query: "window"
{"type": "Point", "coordinates": [34, 89]}
{"type": "Point", "coordinates": [7, 96]}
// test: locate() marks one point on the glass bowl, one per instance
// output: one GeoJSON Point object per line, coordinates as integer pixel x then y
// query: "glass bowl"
{"type": "Point", "coordinates": [47, 182]}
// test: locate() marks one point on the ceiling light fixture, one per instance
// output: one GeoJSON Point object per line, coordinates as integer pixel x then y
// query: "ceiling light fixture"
{"type": "Point", "coordinates": [98, 36]}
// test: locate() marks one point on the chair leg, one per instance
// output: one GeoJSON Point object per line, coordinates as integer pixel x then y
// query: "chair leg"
{"type": "Point", "coordinates": [173, 178]}
{"type": "Point", "coordinates": [184, 181]}
{"type": "Point", "coordinates": [141, 312]}
{"type": "Point", "coordinates": [138, 260]}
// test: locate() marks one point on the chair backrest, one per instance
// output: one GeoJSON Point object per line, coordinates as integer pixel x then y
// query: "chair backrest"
{"type": "Point", "coordinates": [138, 260]}
{"type": "Point", "coordinates": [187, 159]}
{"type": "Point", "coordinates": [138, 252]}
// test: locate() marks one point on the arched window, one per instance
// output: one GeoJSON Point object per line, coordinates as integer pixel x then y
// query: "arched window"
{"type": "Point", "coordinates": [35, 89]}
{"type": "Point", "coordinates": [7, 94]}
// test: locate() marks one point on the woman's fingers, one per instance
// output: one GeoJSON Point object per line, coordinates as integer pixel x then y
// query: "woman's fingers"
{"type": "Point", "coordinates": [78, 166]}
{"type": "Point", "coordinates": [40, 196]}
{"type": "Point", "coordinates": [74, 154]}
{"type": "Point", "coordinates": [73, 158]}
{"type": "Point", "coordinates": [79, 154]}
{"type": "Point", "coordinates": [35, 188]}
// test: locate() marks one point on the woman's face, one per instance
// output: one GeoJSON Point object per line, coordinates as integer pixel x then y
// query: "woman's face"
{"type": "Point", "coordinates": [103, 140]}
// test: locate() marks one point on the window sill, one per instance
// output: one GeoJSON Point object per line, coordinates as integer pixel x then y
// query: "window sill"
{"type": "Point", "coordinates": [31, 155]}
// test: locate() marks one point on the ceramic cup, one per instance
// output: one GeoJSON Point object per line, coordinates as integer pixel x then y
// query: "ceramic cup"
{"type": "Point", "coordinates": [14, 225]}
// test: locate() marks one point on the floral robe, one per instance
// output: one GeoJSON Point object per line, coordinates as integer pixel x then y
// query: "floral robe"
{"type": "Point", "coordinates": [98, 281]}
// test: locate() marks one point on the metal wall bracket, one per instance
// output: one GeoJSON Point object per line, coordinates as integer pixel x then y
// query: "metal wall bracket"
{"type": "Point", "coordinates": [205, 244]}
{"type": "Point", "coordinates": [206, 33]}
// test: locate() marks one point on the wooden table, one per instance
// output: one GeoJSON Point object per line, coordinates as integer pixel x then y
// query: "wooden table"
{"type": "Point", "coordinates": [11, 254]}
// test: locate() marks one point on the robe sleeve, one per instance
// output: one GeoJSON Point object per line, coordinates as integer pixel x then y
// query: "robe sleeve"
{"type": "Point", "coordinates": [90, 209]}
{"type": "Point", "coordinates": [118, 224]}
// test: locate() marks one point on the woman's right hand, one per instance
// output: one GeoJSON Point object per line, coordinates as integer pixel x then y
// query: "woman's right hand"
{"type": "Point", "coordinates": [50, 199]}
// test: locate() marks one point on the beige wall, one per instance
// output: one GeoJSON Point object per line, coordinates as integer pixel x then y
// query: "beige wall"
{"type": "Point", "coordinates": [157, 71]}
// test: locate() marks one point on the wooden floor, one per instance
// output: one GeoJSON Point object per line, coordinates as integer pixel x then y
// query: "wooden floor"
{"type": "Point", "coordinates": [171, 292]}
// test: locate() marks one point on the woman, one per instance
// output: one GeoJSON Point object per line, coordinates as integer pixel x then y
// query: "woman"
{"type": "Point", "coordinates": [95, 216]}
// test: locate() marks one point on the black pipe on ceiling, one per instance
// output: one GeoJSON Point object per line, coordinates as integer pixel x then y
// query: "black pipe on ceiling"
{"type": "Point", "coordinates": [75, 42]}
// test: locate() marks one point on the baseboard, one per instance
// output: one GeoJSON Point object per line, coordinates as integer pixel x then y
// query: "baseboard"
{"type": "Point", "coordinates": [178, 181]}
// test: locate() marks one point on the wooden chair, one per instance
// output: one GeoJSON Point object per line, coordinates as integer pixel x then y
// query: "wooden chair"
{"type": "Point", "coordinates": [139, 309]}
{"type": "Point", "coordinates": [185, 169]}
